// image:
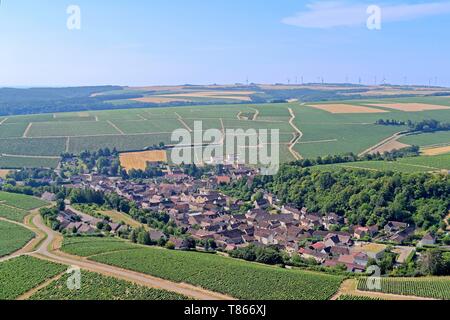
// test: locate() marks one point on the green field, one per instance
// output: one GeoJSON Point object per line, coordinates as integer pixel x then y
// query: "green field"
{"type": "Point", "coordinates": [8, 162]}
{"type": "Point", "coordinates": [436, 288]}
{"type": "Point", "coordinates": [237, 278]}
{"type": "Point", "coordinates": [89, 246]}
{"type": "Point", "coordinates": [22, 274]}
{"type": "Point", "coordinates": [13, 237]}
{"type": "Point", "coordinates": [21, 201]}
{"type": "Point", "coordinates": [11, 213]}
{"type": "Point", "coordinates": [428, 139]}
{"type": "Point", "coordinates": [136, 129]}
{"type": "Point", "coordinates": [98, 287]}
{"type": "Point", "coordinates": [405, 165]}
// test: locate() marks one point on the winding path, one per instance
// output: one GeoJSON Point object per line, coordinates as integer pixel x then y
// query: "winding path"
{"type": "Point", "coordinates": [50, 244]}
{"type": "Point", "coordinates": [297, 136]}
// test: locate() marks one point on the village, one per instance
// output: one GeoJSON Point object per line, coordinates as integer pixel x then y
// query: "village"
{"type": "Point", "coordinates": [196, 206]}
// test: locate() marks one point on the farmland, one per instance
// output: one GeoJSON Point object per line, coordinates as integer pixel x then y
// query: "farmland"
{"type": "Point", "coordinates": [13, 214]}
{"type": "Point", "coordinates": [38, 140]}
{"type": "Point", "coordinates": [437, 288]}
{"type": "Point", "coordinates": [98, 287]}
{"type": "Point", "coordinates": [21, 201]}
{"type": "Point", "coordinates": [20, 275]}
{"type": "Point", "coordinates": [13, 237]}
{"type": "Point", "coordinates": [86, 246]}
{"type": "Point", "coordinates": [139, 160]}
{"type": "Point", "coordinates": [239, 279]}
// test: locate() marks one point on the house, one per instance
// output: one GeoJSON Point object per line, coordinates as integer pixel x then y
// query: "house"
{"type": "Point", "coordinates": [221, 180]}
{"type": "Point", "coordinates": [427, 240]}
{"type": "Point", "coordinates": [360, 232]}
{"type": "Point", "coordinates": [261, 204]}
{"type": "Point", "coordinates": [48, 196]}
{"type": "Point", "coordinates": [156, 235]}
{"type": "Point", "coordinates": [180, 244]}
{"type": "Point", "coordinates": [372, 250]}
{"type": "Point", "coordinates": [393, 227]}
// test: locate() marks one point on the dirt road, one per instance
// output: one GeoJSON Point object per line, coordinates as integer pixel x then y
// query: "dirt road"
{"type": "Point", "coordinates": [297, 137]}
{"type": "Point", "coordinates": [49, 250]}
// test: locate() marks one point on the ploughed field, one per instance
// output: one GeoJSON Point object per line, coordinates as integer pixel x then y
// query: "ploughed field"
{"type": "Point", "coordinates": [327, 128]}
{"type": "Point", "coordinates": [239, 279]}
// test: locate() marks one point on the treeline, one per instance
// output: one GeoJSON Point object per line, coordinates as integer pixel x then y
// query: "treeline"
{"type": "Point", "coordinates": [363, 197]}
{"type": "Point", "coordinates": [430, 125]}
{"type": "Point", "coordinates": [366, 197]}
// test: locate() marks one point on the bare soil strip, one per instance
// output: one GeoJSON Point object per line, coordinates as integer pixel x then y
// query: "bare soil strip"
{"type": "Point", "coordinates": [29, 294]}
{"type": "Point", "coordinates": [180, 119]}
{"type": "Point", "coordinates": [142, 117]}
{"type": "Point", "coordinates": [256, 115]}
{"type": "Point", "coordinates": [435, 151]}
{"type": "Point", "coordinates": [381, 145]}
{"type": "Point", "coordinates": [346, 108]}
{"type": "Point", "coordinates": [67, 144]}
{"type": "Point", "coordinates": [3, 121]}
{"type": "Point", "coordinates": [297, 137]}
{"type": "Point", "coordinates": [27, 130]}
{"type": "Point", "coordinates": [116, 127]}
{"type": "Point", "coordinates": [349, 287]}
{"type": "Point", "coordinates": [318, 141]}
{"type": "Point", "coordinates": [411, 107]}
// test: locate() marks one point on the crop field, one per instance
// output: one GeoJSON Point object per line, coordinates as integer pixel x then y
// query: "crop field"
{"type": "Point", "coordinates": [13, 214]}
{"type": "Point", "coordinates": [89, 246]}
{"type": "Point", "coordinates": [405, 165]}
{"type": "Point", "coordinates": [21, 201]}
{"type": "Point", "coordinates": [239, 279]}
{"type": "Point", "coordinates": [13, 130]}
{"type": "Point", "coordinates": [428, 139]}
{"type": "Point", "coordinates": [96, 287]}
{"type": "Point", "coordinates": [70, 129]}
{"type": "Point", "coordinates": [13, 237]}
{"type": "Point", "coordinates": [22, 274]}
{"type": "Point", "coordinates": [139, 160]}
{"type": "Point", "coordinates": [437, 288]}
{"type": "Point", "coordinates": [148, 126]}
{"type": "Point", "coordinates": [27, 162]}
{"type": "Point", "coordinates": [324, 132]}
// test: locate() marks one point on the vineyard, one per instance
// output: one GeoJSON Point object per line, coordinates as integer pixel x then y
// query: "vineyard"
{"type": "Point", "coordinates": [436, 288]}
{"type": "Point", "coordinates": [89, 246]}
{"type": "Point", "coordinates": [13, 214]}
{"type": "Point", "coordinates": [13, 237]}
{"type": "Point", "coordinates": [20, 275]}
{"type": "Point", "coordinates": [236, 278]}
{"type": "Point", "coordinates": [98, 287]}
{"type": "Point", "coordinates": [21, 201]}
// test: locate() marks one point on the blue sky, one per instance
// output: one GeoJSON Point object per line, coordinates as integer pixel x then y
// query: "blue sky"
{"type": "Point", "coordinates": [137, 42]}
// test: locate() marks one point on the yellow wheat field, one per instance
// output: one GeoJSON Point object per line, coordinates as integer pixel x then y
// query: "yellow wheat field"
{"type": "Point", "coordinates": [139, 160]}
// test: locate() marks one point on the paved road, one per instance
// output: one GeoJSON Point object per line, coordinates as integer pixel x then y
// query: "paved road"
{"type": "Point", "coordinates": [55, 256]}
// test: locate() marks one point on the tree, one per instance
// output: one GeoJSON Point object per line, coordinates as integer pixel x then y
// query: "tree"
{"type": "Point", "coordinates": [60, 205]}
{"type": "Point", "coordinates": [433, 263]}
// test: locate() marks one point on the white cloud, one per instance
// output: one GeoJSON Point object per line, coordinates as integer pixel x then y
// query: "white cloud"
{"type": "Point", "coordinates": [330, 14]}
